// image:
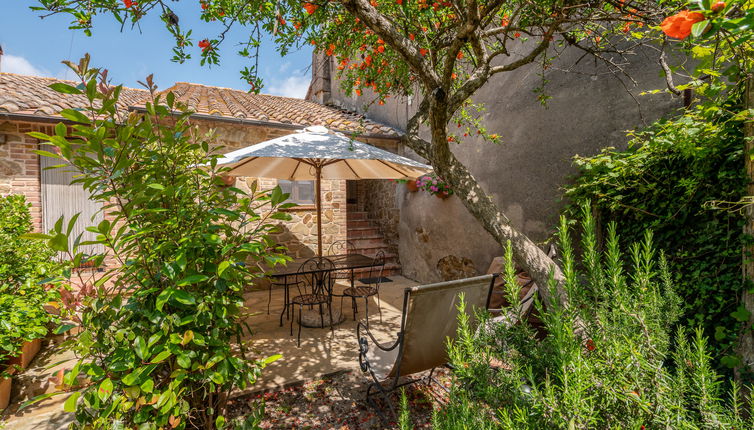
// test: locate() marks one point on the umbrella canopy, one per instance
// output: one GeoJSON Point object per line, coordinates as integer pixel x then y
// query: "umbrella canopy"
{"type": "Point", "coordinates": [295, 156]}
{"type": "Point", "coordinates": [318, 153]}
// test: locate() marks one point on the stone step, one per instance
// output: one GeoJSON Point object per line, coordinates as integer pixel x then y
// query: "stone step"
{"type": "Point", "coordinates": [369, 242]}
{"type": "Point", "coordinates": [363, 232]}
{"type": "Point", "coordinates": [356, 216]}
{"type": "Point", "coordinates": [390, 269]}
{"type": "Point", "coordinates": [365, 236]}
{"type": "Point", "coordinates": [360, 223]}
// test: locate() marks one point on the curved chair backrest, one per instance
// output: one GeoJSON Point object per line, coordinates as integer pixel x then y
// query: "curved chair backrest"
{"type": "Point", "coordinates": [341, 247]}
{"type": "Point", "coordinates": [316, 275]}
{"type": "Point", "coordinates": [430, 317]}
{"type": "Point", "coordinates": [377, 269]}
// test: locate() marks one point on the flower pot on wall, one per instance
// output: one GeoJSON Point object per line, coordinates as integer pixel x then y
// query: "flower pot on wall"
{"type": "Point", "coordinates": [411, 186]}
{"type": "Point", "coordinates": [29, 350]}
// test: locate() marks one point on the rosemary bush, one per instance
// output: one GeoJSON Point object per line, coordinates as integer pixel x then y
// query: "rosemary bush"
{"type": "Point", "coordinates": [612, 358]}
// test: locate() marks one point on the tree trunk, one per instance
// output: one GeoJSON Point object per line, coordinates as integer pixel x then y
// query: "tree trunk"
{"type": "Point", "coordinates": [526, 253]}
{"type": "Point", "coordinates": [746, 344]}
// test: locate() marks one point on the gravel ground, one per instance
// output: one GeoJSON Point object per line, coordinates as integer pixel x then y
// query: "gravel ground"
{"type": "Point", "coordinates": [337, 402]}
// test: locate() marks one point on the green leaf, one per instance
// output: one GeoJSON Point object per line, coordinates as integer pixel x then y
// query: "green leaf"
{"type": "Point", "coordinates": [64, 88]}
{"type": "Point", "coordinates": [75, 116]}
{"type": "Point", "coordinates": [222, 267]}
{"type": "Point", "coordinates": [160, 357]}
{"type": "Point", "coordinates": [64, 328]}
{"type": "Point", "coordinates": [105, 389]}
{"type": "Point", "coordinates": [220, 422]}
{"type": "Point", "coordinates": [36, 236]}
{"type": "Point", "coordinates": [272, 358]}
{"type": "Point", "coordinates": [741, 314]}
{"type": "Point", "coordinates": [184, 361]}
{"type": "Point", "coordinates": [699, 28]}
{"type": "Point", "coordinates": [59, 242]}
{"type": "Point", "coordinates": [217, 378]}
{"type": "Point", "coordinates": [156, 186]}
{"type": "Point", "coordinates": [162, 298]}
{"type": "Point", "coordinates": [70, 402]}
{"type": "Point", "coordinates": [192, 279]}
{"type": "Point", "coordinates": [141, 347]}
{"type": "Point", "coordinates": [147, 386]}
{"type": "Point", "coordinates": [183, 297]}
{"type": "Point", "coordinates": [38, 399]}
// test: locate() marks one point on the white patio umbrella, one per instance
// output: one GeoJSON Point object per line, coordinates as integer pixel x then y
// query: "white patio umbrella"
{"type": "Point", "coordinates": [318, 153]}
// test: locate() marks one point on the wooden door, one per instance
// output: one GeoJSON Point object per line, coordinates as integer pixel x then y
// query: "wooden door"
{"type": "Point", "coordinates": [60, 198]}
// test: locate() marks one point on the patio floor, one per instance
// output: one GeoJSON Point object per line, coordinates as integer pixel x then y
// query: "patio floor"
{"type": "Point", "coordinates": [321, 353]}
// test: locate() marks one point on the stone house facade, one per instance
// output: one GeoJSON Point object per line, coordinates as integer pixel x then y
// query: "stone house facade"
{"type": "Point", "coordinates": [238, 120]}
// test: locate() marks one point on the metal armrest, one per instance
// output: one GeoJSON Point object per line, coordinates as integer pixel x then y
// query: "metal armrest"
{"type": "Point", "coordinates": [364, 347]}
{"type": "Point", "coordinates": [363, 326]}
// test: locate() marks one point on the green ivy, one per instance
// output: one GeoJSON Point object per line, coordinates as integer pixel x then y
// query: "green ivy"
{"type": "Point", "coordinates": [680, 178]}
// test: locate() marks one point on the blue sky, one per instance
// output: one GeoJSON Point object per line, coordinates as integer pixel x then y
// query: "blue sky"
{"type": "Point", "coordinates": [36, 47]}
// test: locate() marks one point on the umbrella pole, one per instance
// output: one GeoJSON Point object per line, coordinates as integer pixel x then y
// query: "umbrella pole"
{"type": "Point", "coordinates": [318, 190]}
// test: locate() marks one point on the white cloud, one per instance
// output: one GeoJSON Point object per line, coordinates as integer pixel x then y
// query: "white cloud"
{"type": "Point", "coordinates": [292, 86]}
{"type": "Point", "coordinates": [21, 66]}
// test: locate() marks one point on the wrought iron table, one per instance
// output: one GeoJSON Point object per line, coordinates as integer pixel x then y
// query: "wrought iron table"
{"type": "Point", "coordinates": [342, 262]}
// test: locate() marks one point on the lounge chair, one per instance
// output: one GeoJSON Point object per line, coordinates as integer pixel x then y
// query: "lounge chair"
{"type": "Point", "coordinates": [430, 317]}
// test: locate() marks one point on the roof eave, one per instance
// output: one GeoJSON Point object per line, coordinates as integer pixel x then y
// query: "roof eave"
{"type": "Point", "coordinates": [29, 117]}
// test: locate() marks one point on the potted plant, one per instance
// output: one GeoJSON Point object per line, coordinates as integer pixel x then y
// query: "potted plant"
{"type": "Point", "coordinates": [434, 185]}
{"type": "Point", "coordinates": [25, 266]}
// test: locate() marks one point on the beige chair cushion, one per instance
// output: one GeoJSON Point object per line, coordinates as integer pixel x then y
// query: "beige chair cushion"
{"type": "Point", "coordinates": [381, 362]}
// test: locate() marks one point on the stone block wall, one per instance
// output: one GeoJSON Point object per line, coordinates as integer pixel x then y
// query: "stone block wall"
{"type": "Point", "coordinates": [19, 165]}
{"type": "Point", "coordinates": [381, 205]}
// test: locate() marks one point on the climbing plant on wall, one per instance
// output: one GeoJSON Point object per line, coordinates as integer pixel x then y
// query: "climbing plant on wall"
{"type": "Point", "coordinates": [677, 178]}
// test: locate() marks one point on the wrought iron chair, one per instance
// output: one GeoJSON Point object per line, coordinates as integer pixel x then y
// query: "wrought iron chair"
{"type": "Point", "coordinates": [339, 249]}
{"type": "Point", "coordinates": [430, 317]}
{"type": "Point", "coordinates": [314, 284]}
{"type": "Point", "coordinates": [285, 283]}
{"type": "Point", "coordinates": [367, 291]}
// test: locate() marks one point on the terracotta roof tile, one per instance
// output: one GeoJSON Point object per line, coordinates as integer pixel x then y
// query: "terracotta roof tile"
{"type": "Point", "coordinates": [30, 95]}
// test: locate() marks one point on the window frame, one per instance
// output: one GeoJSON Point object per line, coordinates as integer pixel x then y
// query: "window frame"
{"type": "Point", "coordinates": [295, 191]}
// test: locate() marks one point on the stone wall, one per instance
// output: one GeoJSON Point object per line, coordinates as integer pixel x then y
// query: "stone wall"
{"type": "Point", "coordinates": [590, 109]}
{"type": "Point", "coordinates": [19, 165]}
{"type": "Point", "coordinates": [381, 205]}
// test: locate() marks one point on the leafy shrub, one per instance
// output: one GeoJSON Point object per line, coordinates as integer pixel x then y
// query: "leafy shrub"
{"type": "Point", "coordinates": [669, 180]}
{"type": "Point", "coordinates": [24, 264]}
{"type": "Point", "coordinates": [162, 339]}
{"type": "Point", "coordinates": [20, 258]}
{"type": "Point", "coordinates": [610, 359]}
